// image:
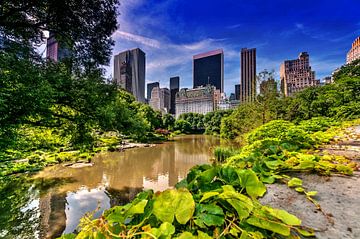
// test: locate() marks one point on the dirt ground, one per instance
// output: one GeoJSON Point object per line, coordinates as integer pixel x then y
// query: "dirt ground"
{"type": "Point", "coordinates": [338, 196]}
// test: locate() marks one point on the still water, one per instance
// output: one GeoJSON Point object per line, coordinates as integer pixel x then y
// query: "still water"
{"type": "Point", "coordinates": [56, 198]}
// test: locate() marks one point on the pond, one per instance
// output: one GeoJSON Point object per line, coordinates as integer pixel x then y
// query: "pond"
{"type": "Point", "coordinates": [54, 200]}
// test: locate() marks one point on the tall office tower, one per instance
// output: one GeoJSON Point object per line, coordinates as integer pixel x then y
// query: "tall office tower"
{"type": "Point", "coordinates": [54, 51]}
{"type": "Point", "coordinates": [237, 92]}
{"type": "Point", "coordinates": [160, 99]}
{"type": "Point", "coordinates": [174, 88]}
{"type": "Point", "coordinates": [129, 72]}
{"type": "Point", "coordinates": [248, 75]}
{"type": "Point", "coordinates": [296, 75]}
{"type": "Point", "coordinates": [149, 89]}
{"type": "Point", "coordinates": [208, 68]}
{"type": "Point", "coordinates": [354, 52]}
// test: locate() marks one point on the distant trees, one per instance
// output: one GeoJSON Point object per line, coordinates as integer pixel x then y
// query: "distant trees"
{"type": "Point", "coordinates": [340, 100]}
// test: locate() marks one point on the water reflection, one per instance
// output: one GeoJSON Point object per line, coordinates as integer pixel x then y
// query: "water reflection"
{"type": "Point", "coordinates": [114, 179]}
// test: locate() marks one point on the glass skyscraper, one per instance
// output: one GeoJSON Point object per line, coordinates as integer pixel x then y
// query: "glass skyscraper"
{"type": "Point", "coordinates": [174, 88]}
{"type": "Point", "coordinates": [208, 68]}
{"type": "Point", "coordinates": [129, 72]}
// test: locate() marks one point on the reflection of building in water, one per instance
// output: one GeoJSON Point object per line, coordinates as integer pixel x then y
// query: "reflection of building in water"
{"type": "Point", "coordinates": [121, 197]}
{"type": "Point", "coordinates": [52, 215]}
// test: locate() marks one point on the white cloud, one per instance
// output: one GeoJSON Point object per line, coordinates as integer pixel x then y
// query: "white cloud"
{"type": "Point", "coordinates": [136, 38]}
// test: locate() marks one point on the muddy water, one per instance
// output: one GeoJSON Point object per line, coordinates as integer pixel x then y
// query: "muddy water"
{"type": "Point", "coordinates": [57, 197]}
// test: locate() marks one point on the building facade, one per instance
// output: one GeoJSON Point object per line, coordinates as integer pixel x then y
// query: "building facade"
{"type": "Point", "coordinates": [199, 100]}
{"type": "Point", "coordinates": [149, 88]}
{"type": "Point", "coordinates": [237, 92]}
{"type": "Point", "coordinates": [129, 72]}
{"type": "Point", "coordinates": [227, 104]}
{"type": "Point", "coordinates": [174, 88]}
{"type": "Point", "coordinates": [54, 51]}
{"type": "Point", "coordinates": [208, 69]}
{"type": "Point", "coordinates": [248, 75]}
{"type": "Point", "coordinates": [354, 53]}
{"type": "Point", "coordinates": [160, 99]}
{"type": "Point", "coordinates": [296, 75]}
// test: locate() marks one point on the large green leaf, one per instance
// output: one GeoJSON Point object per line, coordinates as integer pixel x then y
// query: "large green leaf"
{"type": "Point", "coordinates": [241, 203]}
{"type": "Point", "coordinates": [208, 195]}
{"type": "Point", "coordinates": [172, 202]}
{"type": "Point", "coordinates": [119, 214]}
{"type": "Point", "coordinates": [164, 231]}
{"type": "Point", "coordinates": [254, 187]}
{"type": "Point", "coordinates": [273, 226]}
{"type": "Point", "coordinates": [284, 216]}
{"type": "Point", "coordinates": [209, 215]}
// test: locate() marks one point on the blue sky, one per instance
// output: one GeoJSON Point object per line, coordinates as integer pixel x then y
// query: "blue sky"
{"type": "Point", "coordinates": [172, 31]}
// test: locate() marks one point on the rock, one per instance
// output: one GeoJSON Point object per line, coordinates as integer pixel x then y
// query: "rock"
{"type": "Point", "coordinates": [339, 200]}
{"type": "Point", "coordinates": [81, 165]}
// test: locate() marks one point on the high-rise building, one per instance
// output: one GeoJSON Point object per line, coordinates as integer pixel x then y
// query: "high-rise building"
{"type": "Point", "coordinates": [129, 72]}
{"type": "Point", "coordinates": [354, 52]}
{"type": "Point", "coordinates": [237, 92]}
{"type": "Point", "coordinates": [232, 97]}
{"type": "Point", "coordinates": [160, 99]}
{"type": "Point", "coordinates": [54, 51]}
{"type": "Point", "coordinates": [248, 75]}
{"type": "Point", "coordinates": [199, 100]}
{"type": "Point", "coordinates": [296, 75]}
{"type": "Point", "coordinates": [208, 68]}
{"type": "Point", "coordinates": [149, 88]}
{"type": "Point", "coordinates": [174, 88]}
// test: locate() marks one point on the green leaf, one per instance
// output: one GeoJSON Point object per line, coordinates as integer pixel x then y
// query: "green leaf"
{"type": "Point", "coordinates": [300, 189]}
{"type": "Point", "coordinates": [209, 215]}
{"type": "Point", "coordinates": [311, 193]}
{"type": "Point", "coordinates": [254, 187]}
{"type": "Point", "coordinates": [208, 195]}
{"type": "Point", "coordinates": [295, 182]}
{"type": "Point", "coordinates": [274, 164]}
{"type": "Point", "coordinates": [306, 233]}
{"type": "Point", "coordinates": [203, 235]}
{"type": "Point", "coordinates": [137, 208]}
{"type": "Point", "coordinates": [186, 235]}
{"type": "Point", "coordinates": [164, 231]}
{"type": "Point", "coordinates": [284, 216]}
{"type": "Point", "coordinates": [172, 202]}
{"type": "Point", "coordinates": [242, 204]}
{"type": "Point", "coordinates": [276, 227]}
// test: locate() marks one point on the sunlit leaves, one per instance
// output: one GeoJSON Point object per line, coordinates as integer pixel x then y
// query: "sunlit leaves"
{"type": "Point", "coordinates": [174, 203]}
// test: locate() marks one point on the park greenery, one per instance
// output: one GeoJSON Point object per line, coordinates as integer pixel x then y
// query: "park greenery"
{"type": "Point", "coordinates": [53, 112]}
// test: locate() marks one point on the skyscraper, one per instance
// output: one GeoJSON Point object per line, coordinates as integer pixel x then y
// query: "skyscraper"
{"type": "Point", "coordinates": [54, 51]}
{"type": "Point", "coordinates": [248, 75]}
{"type": "Point", "coordinates": [160, 99]}
{"type": "Point", "coordinates": [354, 52]}
{"type": "Point", "coordinates": [237, 92]}
{"type": "Point", "coordinates": [208, 68]}
{"type": "Point", "coordinates": [296, 75]}
{"type": "Point", "coordinates": [174, 88]}
{"type": "Point", "coordinates": [129, 72]}
{"type": "Point", "coordinates": [149, 89]}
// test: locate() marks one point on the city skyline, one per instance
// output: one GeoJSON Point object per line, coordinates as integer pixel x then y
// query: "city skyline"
{"type": "Point", "coordinates": [171, 32]}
